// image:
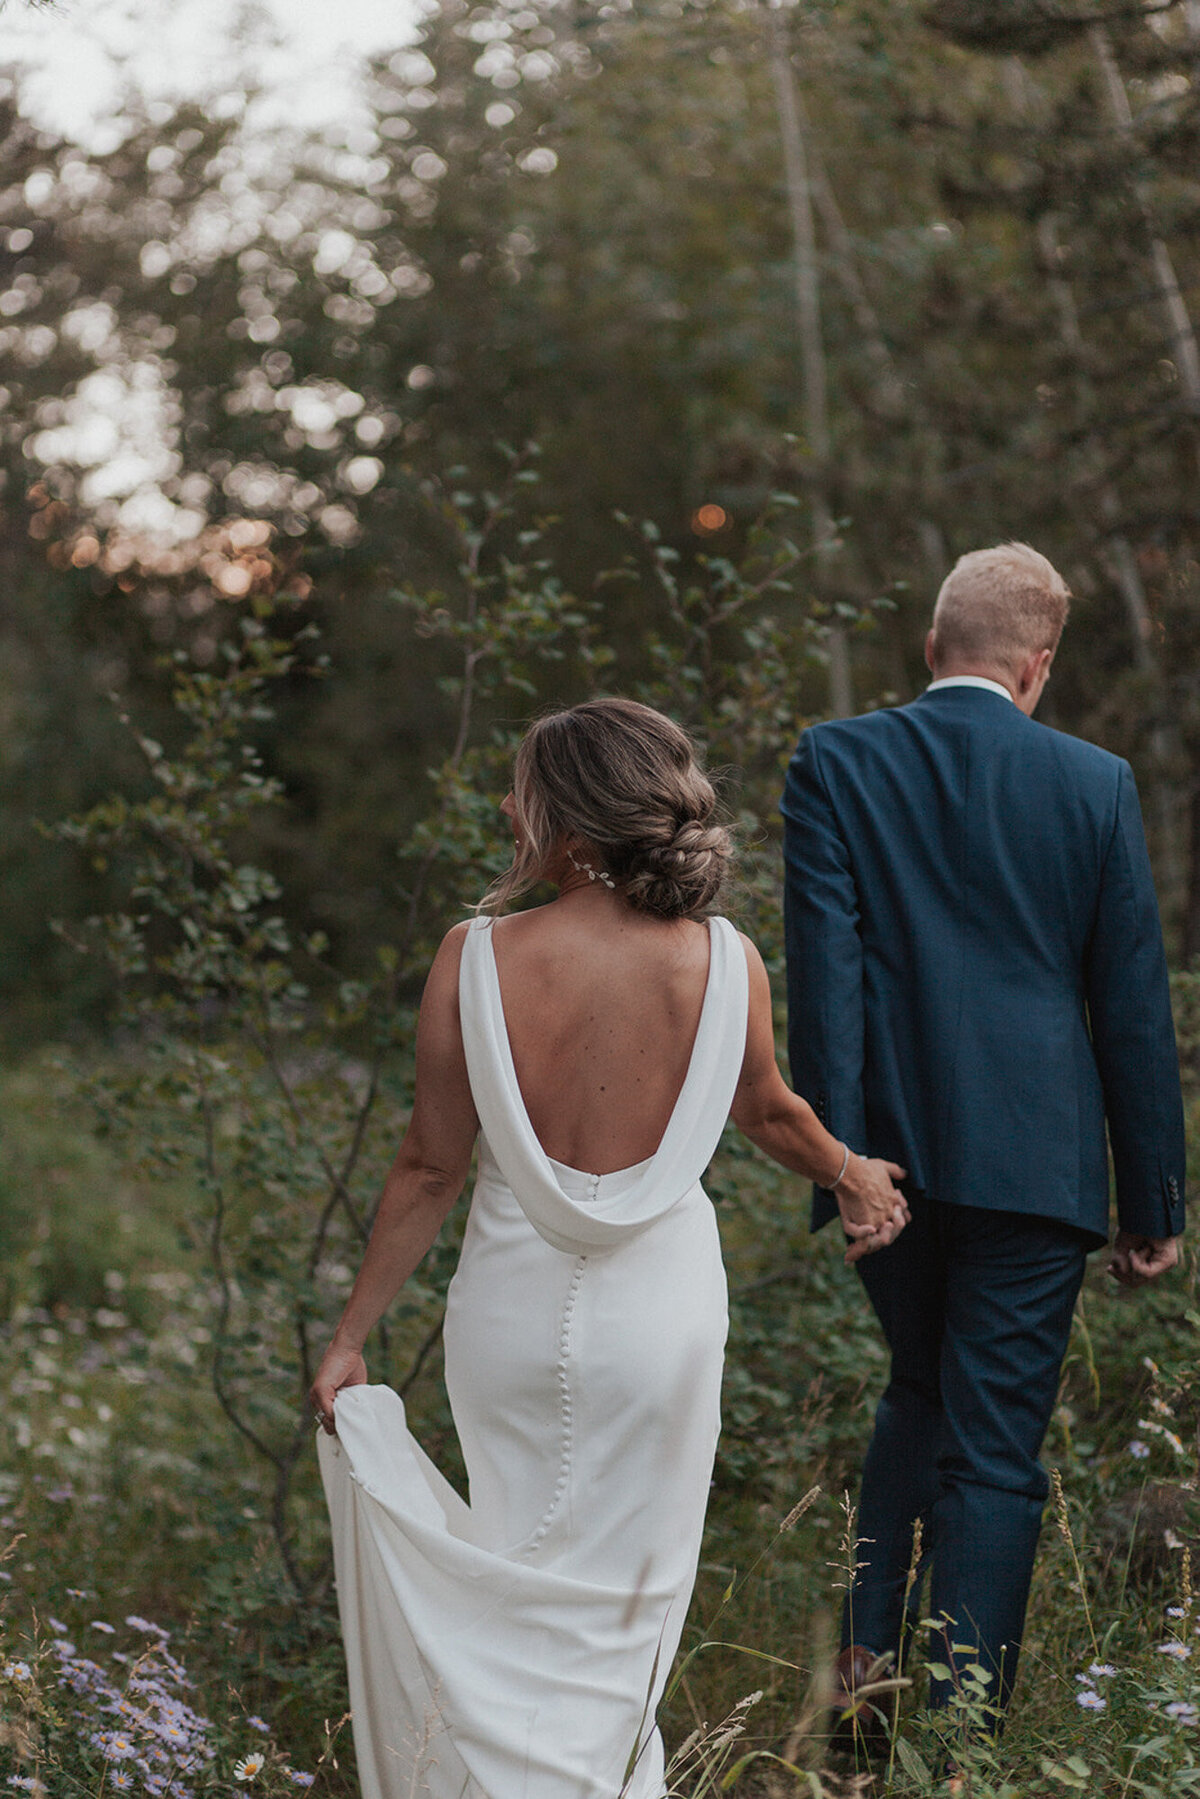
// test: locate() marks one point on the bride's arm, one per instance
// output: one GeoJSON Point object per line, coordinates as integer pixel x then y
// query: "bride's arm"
{"type": "Point", "coordinates": [783, 1124]}
{"type": "Point", "coordinates": [424, 1181]}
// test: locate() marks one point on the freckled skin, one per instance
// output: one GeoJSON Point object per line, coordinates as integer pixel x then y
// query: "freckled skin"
{"type": "Point", "coordinates": [557, 966]}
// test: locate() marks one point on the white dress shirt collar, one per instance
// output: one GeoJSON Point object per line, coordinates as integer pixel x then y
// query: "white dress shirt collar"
{"type": "Point", "coordinates": [971, 681]}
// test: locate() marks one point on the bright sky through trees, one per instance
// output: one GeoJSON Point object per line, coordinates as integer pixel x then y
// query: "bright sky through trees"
{"type": "Point", "coordinates": [303, 54]}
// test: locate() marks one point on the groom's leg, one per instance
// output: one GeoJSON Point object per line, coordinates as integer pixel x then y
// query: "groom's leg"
{"type": "Point", "coordinates": [1012, 1282]}
{"type": "Point", "coordinates": [905, 1283]}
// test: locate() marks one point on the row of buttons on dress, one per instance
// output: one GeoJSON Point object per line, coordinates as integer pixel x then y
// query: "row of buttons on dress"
{"type": "Point", "coordinates": [564, 1399]}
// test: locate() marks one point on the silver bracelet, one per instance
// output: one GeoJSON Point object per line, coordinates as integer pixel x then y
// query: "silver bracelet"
{"type": "Point", "coordinates": [841, 1174]}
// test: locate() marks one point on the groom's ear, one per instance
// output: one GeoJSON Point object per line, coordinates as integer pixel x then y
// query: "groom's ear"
{"type": "Point", "coordinates": [1036, 669]}
{"type": "Point", "coordinates": [929, 661]}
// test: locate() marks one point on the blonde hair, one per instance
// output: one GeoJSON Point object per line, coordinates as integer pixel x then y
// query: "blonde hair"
{"type": "Point", "coordinates": [998, 606]}
{"type": "Point", "coordinates": [625, 782]}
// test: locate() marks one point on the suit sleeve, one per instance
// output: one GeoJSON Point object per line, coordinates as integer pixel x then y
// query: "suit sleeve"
{"type": "Point", "coordinates": [824, 959]}
{"type": "Point", "coordinates": [1133, 1033]}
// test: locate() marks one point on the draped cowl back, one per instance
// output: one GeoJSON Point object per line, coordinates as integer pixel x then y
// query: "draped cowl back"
{"type": "Point", "coordinates": [692, 1133]}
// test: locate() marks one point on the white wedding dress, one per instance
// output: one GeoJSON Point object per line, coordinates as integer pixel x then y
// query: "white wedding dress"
{"type": "Point", "coordinates": [517, 1647]}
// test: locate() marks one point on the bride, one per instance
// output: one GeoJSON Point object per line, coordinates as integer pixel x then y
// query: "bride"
{"type": "Point", "coordinates": [517, 1647]}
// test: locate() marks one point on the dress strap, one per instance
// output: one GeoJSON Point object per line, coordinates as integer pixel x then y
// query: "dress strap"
{"type": "Point", "coordinates": [692, 1133]}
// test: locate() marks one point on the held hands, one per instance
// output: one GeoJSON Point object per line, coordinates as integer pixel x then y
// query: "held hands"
{"type": "Point", "coordinates": [873, 1209]}
{"type": "Point", "coordinates": [1137, 1259]}
{"type": "Point", "coordinates": [339, 1368]}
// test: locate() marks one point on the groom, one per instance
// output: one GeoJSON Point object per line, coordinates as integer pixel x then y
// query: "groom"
{"type": "Point", "coordinates": [976, 987]}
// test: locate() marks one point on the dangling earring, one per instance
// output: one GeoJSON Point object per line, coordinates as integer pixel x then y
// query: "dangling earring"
{"type": "Point", "coordinates": [593, 874]}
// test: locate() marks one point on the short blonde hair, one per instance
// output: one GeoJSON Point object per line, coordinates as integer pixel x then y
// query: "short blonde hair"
{"type": "Point", "coordinates": [998, 606]}
{"type": "Point", "coordinates": [625, 783]}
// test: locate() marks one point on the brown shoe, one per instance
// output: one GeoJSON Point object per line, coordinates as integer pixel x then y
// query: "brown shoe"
{"type": "Point", "coordinates": [862, 1686]}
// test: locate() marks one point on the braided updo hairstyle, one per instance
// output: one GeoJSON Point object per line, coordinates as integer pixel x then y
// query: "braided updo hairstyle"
{"type": "Point", "coordinates": [624, 783]}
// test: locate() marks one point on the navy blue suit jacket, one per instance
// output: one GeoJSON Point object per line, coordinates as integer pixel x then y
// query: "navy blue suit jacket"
{"type": "Point", "coordinates": [976, 976]}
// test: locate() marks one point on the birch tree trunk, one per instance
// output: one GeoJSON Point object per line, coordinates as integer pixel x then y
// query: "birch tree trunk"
{"type": "Point", "coordinates": [806, 278]}
{"type": "Point", "coordinates": [1185, 353]}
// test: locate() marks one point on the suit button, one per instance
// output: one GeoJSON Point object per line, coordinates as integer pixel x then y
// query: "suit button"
{"type": "Point", "coordinates": [1173, 1187]}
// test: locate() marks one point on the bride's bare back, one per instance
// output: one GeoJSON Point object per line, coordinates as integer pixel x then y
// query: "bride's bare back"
{"type": "Point", "coordinates": [602, 1005]}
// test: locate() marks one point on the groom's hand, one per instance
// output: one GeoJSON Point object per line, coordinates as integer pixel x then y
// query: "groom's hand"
{"type": "Point", "coordinates": [866, 1239]}
{"type": "Point", "coordinates": [1137, 1259]}
{"type": "Point", "coordinates": [872, 1207]}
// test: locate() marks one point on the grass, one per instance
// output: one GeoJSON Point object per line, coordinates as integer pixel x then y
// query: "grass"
{"type": "Point", "coordinates": [124, 1495]}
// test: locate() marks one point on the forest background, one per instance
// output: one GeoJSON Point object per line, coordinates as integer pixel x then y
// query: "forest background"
{"type": "Point", "coordinates": [656, 347]}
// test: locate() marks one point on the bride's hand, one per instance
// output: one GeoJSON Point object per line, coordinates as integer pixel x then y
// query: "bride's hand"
{"type": "Point", "coordinates": [339, 1368]}
{"type": "Point", "coordinates": [873, 1209]}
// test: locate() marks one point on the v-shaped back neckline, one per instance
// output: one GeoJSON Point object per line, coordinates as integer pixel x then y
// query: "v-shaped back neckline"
{"type": "Point", "coordinates": [505, 1049]}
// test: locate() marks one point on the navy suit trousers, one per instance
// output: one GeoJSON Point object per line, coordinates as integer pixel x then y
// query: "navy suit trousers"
{"type": "Point", "coordinates": [976, 1307]}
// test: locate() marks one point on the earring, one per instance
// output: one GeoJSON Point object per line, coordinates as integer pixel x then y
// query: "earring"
{"type": "Point", "coordinates": [593, 874]}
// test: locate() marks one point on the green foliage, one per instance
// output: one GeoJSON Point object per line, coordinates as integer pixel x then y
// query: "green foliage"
{"type": "Point", "coordinates": [572, 227]}
{"type": "Point", "coordinates": [567, 227]}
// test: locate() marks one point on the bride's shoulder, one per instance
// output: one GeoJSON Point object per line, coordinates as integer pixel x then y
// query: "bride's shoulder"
{"type": "Point", "coordinates": [754, 962]}
{"type": "Point", "coordinates": [444, 966]}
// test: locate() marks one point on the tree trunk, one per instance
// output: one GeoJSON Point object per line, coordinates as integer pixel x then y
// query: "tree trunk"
{"type": "Point", "coordinates": [1185, 353]}
{"type": "Point", "coordinates": [812, 350]}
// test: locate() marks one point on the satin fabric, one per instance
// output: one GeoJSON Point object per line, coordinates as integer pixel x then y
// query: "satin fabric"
{"type": "Point", "coordinates": [516, 1647]}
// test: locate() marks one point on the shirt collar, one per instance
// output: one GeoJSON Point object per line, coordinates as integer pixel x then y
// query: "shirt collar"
{"type": "Point", "coordinates": [971, 681]}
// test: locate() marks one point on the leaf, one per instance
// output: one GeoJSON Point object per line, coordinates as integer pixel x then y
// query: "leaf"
{"type": "Point", "coordinates": [913, 1764]}
{"type": "Point", "coordinates": [1065, 1774]}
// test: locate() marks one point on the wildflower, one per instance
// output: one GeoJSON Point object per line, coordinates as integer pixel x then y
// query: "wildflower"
{"type": "Point", "coordinates": [1176, 1611]}
{"type": "Point", "coordinates": [249, 1766]}
{"type": "Point", "coordinates": [299, 1779]}
{"type": "Point", "coordinates": [25, 1781]}
{"type": "Point", "coordinates": [1183, 1711]}
{"type": "Point", "coordinates": [17, 1671]}
{"type": "Point", "coordinates": [257, 1723]}
{"type": "Point", "coordinates": [57, 1626]}
{"type": "Point", "coordinates": [1180, 1651]}
{"type": "Point", "coordinates": [108, 1629]}
{"type": "Point", "coordinates": [1102, 1670]}
{"type": "Point", "coordinates": [120, 1781]}
{"type": "Point", "coordinates": [1139, 1450]}
{"type": "Point", "coordinates": [113, 1745]}
{"type": "Point", "coordinates": [1090, 1700]}
{"type": "Point", "coordinates": [78, 1593]}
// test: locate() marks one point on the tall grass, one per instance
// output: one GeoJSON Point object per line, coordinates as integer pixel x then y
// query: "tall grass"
{"type": "Point", "coordinates": [125, 1504]}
